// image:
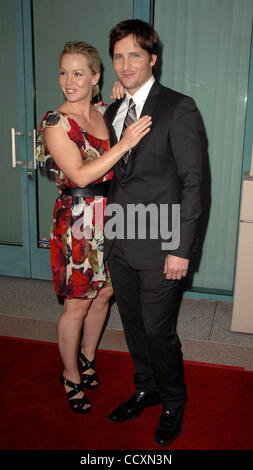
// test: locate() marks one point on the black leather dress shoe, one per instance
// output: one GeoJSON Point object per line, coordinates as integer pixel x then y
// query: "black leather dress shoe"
{"type": "Point", "coordinates": [134, 406]}
{"type": "Point", "coordinates": [170, 425]}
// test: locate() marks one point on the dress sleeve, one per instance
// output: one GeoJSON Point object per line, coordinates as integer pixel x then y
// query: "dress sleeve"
{"type": "Point", "coordinates": [44, 159]}
{"type": "Point", "coordinates": [101, 107]}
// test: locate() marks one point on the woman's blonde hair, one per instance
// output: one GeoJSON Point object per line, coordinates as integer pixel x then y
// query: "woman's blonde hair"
{"type": "Point", "coordinates": [90, 52]}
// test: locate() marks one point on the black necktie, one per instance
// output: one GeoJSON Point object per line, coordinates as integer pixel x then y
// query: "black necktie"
{"type": "Point", "coordinates": [129, 119]}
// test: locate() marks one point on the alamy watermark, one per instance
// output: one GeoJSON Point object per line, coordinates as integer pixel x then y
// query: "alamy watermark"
{"type": "Point", "coordinates": [136, 221]}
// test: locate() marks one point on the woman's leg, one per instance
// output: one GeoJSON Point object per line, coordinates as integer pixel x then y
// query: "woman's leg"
{"type": "Point", "coordinates": [69, 330]}
{"type": "Point", "coordinates": [94, 322]}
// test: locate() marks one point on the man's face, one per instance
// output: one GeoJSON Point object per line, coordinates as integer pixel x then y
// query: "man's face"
{"type": "Point", "coordinates": [132, 64]}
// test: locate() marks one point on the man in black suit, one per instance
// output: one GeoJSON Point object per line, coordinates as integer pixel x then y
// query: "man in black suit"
{"type": "Point", "coordinates": [164, 169]}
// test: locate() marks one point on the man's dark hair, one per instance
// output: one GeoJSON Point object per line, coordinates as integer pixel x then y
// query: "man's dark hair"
{"type": "Point", "coordinates": [144, 33]}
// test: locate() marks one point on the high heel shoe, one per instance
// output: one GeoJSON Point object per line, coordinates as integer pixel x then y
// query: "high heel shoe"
{"type": "Point", "coordinates": [88, 379]}
{"type": "Point", "coordinates": [76, 404]}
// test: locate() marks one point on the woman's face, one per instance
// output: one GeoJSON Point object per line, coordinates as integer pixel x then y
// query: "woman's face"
{"type": "Point", "coordinates": [76, 79]}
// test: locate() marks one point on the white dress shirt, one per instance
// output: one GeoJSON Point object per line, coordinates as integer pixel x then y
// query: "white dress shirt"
{"type": "Point", "coordinates": [139, 98]}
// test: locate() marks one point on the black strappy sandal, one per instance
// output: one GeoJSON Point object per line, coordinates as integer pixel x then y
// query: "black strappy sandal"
{"type": "Point", "coordinates": [76, 404]}
{"type": "Point", "coordinates": [88, 379]}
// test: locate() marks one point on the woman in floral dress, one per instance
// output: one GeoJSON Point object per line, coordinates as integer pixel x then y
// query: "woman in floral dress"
{"type": "Point", "coordinates": [74, 145]}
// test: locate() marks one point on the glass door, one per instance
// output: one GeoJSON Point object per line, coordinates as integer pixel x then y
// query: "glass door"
{"type": "Point", "coordinates": [32, 35]}
{"type": "Point", "coordinates": [206, 54]}
{"type": "Point", "coordinates": [14, 234]}
{"type": "Point", "coordinates": [54, 24]}
{"type": "Point", "coordinates": [19, 247]}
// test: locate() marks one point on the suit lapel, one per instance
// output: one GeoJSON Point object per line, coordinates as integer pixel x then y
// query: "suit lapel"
{"type": "Point", "coordinates": [148, 108]}
{"type": "Point", "coordinates": [151, 100]}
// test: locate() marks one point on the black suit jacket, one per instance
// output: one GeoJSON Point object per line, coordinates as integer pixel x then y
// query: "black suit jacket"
{"type": "Point", "coordinates": [165, 167]}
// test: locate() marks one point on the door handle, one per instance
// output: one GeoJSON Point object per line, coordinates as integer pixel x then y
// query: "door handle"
{"type": "Point", "coordinates": [34, 141]}
{"type": "Point", "coordinates": [14, 161]}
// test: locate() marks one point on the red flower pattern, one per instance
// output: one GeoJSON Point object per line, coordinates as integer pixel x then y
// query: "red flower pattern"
{"type": "Point", "coordinates": [75, 261]}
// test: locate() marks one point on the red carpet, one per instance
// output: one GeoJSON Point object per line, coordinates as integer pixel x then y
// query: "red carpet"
{"type": "Point", "coordinates": [35, 413]}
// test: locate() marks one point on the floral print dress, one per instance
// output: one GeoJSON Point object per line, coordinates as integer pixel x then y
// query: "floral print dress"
{"type": "Point", "coordinates": [76, 237]}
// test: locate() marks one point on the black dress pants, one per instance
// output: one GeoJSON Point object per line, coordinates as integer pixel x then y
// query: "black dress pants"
{"type": "Point", "coordinates": [146, 302]}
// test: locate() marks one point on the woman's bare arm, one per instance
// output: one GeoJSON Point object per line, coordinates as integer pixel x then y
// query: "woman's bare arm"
{"type": "Point", "coordinates": [67, 156]}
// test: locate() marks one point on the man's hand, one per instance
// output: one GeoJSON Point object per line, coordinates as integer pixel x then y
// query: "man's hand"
{"type": "Point", "coordinates": [175, 267]}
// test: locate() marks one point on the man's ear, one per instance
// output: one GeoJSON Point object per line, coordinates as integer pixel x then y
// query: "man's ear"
{"type": "Point", "coordinates": [153, 60]}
